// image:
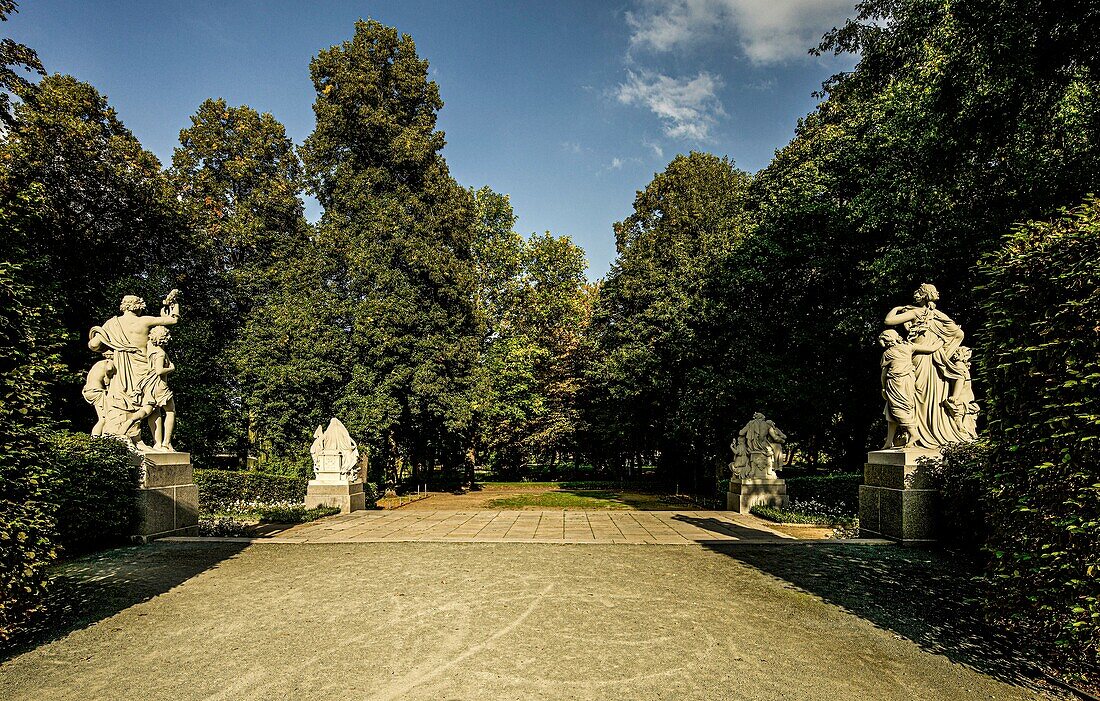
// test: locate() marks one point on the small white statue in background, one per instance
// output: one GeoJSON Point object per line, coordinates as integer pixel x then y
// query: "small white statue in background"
{"type": "Point", "coordinates": [758, 450]}
{"type": "Point", "coordinates": [335, 455]}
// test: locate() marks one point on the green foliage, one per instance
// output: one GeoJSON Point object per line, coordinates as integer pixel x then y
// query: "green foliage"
{"type": "Point", "coordinates": [26, 516]}
{"type": "Point", "coordinates": [220, 489]}
{"type": "Point", "coordinates": [534, 305]}
{"type": "Point", "coordinates": [659, 384]}
{"type": "Point", "coordinates": [395, 276]}
{"type": "Point", "coordinates": [27, 525]}
{"type": "Point", "coordinates": [839, 491]}
{"type": "Point", "coordinates": [1041, 367]}
{"type": "Point", "coordinates": [13, 57]}
{"type": "Point", "coordinates": [93, 483]}
{"type": "Point", "coordinates": [238, 179]}
{"type": "Point", "coordinates": [90, 219]}
{"type": "Point", "coordinates": [964, 481]}
{"type": "Point", "coordinates": [810, 513]}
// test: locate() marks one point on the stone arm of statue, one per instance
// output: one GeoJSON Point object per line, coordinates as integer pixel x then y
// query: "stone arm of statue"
{"type": "Point", "coordinates": [169, 311]}
{"type": "Point", "coordinates": [775, 434]}
{"type": "Point", "coordinates": [162, 365]}
{"type": "Point", "coordinates": [900, 315]}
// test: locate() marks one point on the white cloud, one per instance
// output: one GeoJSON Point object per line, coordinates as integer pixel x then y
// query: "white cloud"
{"type": "Point", "coordinates": [618, 163]}
{"type": "Point", "coordinates": [654, 147]}
{"type": "Point", "coordinates": [688, 108]}
{"type": "Point", "coordinates": [768, 31]}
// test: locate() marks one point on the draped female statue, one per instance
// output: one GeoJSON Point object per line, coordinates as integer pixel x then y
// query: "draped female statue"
{"type": "Point", "coordinates": [943, 404]}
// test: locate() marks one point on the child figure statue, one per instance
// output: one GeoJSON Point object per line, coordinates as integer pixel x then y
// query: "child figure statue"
{"type": "Point", "coordinates": [159, 398]}
{"type": "Point", "coordinates": [95, 389]}
{"type": "Point", "coordinates": [898, 388]}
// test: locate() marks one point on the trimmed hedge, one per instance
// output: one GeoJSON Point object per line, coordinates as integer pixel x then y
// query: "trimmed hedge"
{"type": "Point", "coordinates": [222, 490]}
{"type": "Point", "coordinates": [838, 491]}
{"type": "Point", "coordinates": [93, 485]}
{"type": "Point", "coordinates": [1039, 361]}
{"type": "Point", "coordinates": [219, 489]}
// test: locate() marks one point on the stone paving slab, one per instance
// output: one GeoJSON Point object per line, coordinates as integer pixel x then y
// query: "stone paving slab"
{"type": "Point", "coordinates": [626, 527]}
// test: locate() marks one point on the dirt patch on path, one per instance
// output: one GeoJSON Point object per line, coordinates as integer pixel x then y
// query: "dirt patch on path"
{"type": "Point", "coordinates": [509, 621]}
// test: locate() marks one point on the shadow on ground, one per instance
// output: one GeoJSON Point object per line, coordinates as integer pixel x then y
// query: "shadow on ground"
{"type": "Point", "coordinates": [920, 595]}
{"type": "Point", "coordinates": [97, 586]}
{"type": "Point", "coordinates": [731, 529]}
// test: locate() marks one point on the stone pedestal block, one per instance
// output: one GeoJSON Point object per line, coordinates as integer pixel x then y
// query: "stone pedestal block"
{"type": "Point", "coordinates": [347, 497]}
{"type": "Point", "coordinates": [896, 500]}
{"type": "Point", "coordinates": [168, 499]}
{"type": "Point", "coordinates": [747, 493]}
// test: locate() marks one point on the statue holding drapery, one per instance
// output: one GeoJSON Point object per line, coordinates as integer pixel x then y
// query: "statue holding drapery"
{"type": "Point", "coordinates": [926, 376]}
{"type": "Point", "coordinates": [131, 387]}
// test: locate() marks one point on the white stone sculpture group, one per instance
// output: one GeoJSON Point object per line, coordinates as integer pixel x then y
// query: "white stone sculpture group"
{"type": "Point", "coordinates": [129, 384]}
{"type": "Point", "coordinates": [758, 450]}
{"type": "Point", "coordinates": [926, 377]}
{"type": "Point", "coordinates": [335, 455]}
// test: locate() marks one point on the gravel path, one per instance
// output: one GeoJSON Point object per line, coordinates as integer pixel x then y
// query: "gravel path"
{"type": "Point", "coordinates": [439, 621]}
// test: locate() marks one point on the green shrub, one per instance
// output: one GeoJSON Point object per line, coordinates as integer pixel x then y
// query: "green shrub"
{"type": "Point", "coordinates": [93, 483]}
{"type": "Point", "coordinates": [839, 491]}
{"type": "Point", "coordinates": [807, 512]}
{"type": "Point", "coordinates": [1039, 362]}
{"type": "Point", "coordinates": [220, 489]}
{"type": "Point", "coordinates": [372, 494]}
{"type": "Point", "coordinates": [963, 480]}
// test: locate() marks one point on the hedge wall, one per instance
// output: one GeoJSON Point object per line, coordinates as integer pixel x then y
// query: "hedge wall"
{"type": "Point", "coordinates": [839, 491]}
{"type": "Point", "coordinates": [1039, 363]}
{"type": "Point", "coordinates": [93, 484]}
{"type": "Point", "coordinates": [219, 489]}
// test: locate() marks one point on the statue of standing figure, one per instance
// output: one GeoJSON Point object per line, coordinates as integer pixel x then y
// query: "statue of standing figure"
{"type": "Point", "coordinates": [926, 377]}
{"type": "Point", "coordinates": [129, 384]}
{"type": "Point", "coordinates": [758, 450]}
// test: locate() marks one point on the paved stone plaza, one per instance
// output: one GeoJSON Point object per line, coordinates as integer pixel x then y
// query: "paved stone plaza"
{"type": "Point", "coordinates": [629, 527]}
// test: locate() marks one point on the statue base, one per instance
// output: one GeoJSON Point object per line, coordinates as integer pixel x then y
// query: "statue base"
{"type": "Point", "coordinates": [896, 500]}
{"type": "Point", "coordinates": [346, 496]}
{"type": "Point", "coordinates": [746, 493]}
{"type": "Point", "coordinates": [168, 499]}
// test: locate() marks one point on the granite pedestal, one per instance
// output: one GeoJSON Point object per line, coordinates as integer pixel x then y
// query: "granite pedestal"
{"type": "Point", "coordinates": [168, 499]}
{"type": "Point", "coordinates": [347, 496]}
{"type": "Point", "coordinates": [746, 493]}
{"type": "Point", "coordinates": [896, 500]}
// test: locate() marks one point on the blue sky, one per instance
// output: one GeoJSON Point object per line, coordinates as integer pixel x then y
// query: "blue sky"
{"type": "Point", "coordinates": [569, 106]}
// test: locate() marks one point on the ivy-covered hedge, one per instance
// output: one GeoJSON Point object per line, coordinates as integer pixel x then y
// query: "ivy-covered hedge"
{"type": "Point", "coordinates": [219, 489]}
{"type": "Point", "coordinates": [27, 529]}
{"type": "Point", "coordinates": [838, 491]}
{"type": "Point", "coordinates": [1039, 363]}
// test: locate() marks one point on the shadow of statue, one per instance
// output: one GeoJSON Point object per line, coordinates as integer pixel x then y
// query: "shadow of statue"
{"type": "Point", "coordinates": [920, 595]}
{"type": "Point", "coordinates": [93, 587]}
{"type": "Point", "coordinates": [727, 528]}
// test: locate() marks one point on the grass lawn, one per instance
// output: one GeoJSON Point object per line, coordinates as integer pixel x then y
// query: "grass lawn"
{"type": "Point", "coordinates": [588, 499]}
{"type": "Point", "coordinates": [518, 485]}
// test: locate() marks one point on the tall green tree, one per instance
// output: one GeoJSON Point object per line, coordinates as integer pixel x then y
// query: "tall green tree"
{"type": "Point", "coordinates": [532, 301]}
{"type": "Point", "coordinates": [657, 394]}
{"type": "Point", "coordinates": [91, 218]}
{"type": "Point", "coordinates": [238, 179]}
{"type": "Point", "coordinates": [960, 119]}
{"type": "Point", "coordinates": [15, 60]}
{"type": "Point", "coordinates": [400, 229]}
